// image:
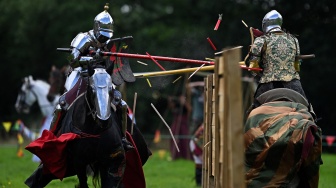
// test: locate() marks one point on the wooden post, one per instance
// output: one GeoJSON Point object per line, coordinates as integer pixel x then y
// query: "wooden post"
{"type": "Point", "coordinates": [234, 118]}
{"type": "Point", "coordinates": [207, 157]}
{"type": "Point", "coordinates": [223, 124]}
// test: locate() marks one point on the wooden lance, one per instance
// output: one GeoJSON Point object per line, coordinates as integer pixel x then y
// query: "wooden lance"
{"type": "Point", "coordinates": [140, 56]}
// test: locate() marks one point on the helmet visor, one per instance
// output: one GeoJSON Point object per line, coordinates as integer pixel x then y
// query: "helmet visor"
{"type": "Point", "coordinates": [105, 32]}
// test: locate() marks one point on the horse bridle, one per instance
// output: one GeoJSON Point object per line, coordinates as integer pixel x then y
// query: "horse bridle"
{"type": "Point", "coordinates": [92, 111]}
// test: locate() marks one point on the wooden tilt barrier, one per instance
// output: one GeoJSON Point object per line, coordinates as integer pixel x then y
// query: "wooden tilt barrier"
{"type": "Point", "coordinates": [223, 152]}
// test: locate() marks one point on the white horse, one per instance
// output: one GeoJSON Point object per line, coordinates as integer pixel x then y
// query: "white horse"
{"type": "Point", "coordinates": [32, 91]}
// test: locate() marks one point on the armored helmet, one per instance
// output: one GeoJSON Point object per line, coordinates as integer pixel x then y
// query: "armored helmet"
{"type": "Point", "coordinates": [272, 21]}
{"type": "Point", "coordinates": [103, 25]}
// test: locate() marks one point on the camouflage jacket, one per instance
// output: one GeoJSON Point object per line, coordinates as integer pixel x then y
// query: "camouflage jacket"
{"type": "Point", "coordinates": [277, 53]}
{"type": "Point", "coordinates": [283, 146]}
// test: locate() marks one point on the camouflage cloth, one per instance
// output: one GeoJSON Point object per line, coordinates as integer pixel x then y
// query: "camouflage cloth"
{"type": "Point", "coordinates": [277, 53]}
{"type": "Point", "coordinates": [283, 146]}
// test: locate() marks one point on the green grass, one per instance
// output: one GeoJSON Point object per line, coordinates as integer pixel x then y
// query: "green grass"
{"type": "Point", "coordinates": [160, 171]}
{"type": "Point", "coordinates": [14, 170]}
{"type": "Point", "coordinates": [328, 171]}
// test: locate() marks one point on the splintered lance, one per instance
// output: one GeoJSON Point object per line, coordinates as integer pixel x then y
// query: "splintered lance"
{"type": "Point", "coordinates": [161, 58]}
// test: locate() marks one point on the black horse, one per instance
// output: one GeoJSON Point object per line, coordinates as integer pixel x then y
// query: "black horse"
{"type": "Point", "coordinates": [97, 141]}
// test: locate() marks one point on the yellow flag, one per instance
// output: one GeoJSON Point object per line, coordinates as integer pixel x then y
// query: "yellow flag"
{"type": "Point", "coordinates": [7, 125]}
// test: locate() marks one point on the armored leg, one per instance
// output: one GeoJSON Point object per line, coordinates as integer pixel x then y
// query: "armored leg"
{"type": "Point", "coordinates": [54, 126]}
{"type": "Point", "coordinates": [121, 108]}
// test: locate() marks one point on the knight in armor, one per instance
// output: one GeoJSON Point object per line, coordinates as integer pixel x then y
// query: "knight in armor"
{"type": "Point", "coordinates": [81, 46]}
{"type": "Point", "coordinates": [275, 52]}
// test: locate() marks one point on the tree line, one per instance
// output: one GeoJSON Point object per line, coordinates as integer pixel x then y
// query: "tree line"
{"type": "Point", "coordinates": [32, 30]}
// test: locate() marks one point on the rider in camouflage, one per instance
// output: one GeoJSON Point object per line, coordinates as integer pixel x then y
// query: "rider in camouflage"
{"type": "Point", "coordinates": [275, 52]}
{"type": "Point", "coordinates": [94, 40]}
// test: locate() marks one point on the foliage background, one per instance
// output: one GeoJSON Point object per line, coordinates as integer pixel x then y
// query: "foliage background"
{"type": "Point", "coordinates": [31, 30]}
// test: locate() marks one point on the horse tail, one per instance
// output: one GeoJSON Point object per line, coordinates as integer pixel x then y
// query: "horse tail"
{"type": "Point", "coordinates": [96, 175]}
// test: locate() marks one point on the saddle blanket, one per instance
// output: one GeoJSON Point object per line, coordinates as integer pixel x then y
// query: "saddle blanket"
{"type": "Point", "coordinates": [282, 144]}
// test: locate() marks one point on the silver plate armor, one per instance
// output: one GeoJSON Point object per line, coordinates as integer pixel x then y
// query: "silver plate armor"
{"type": "Point", "coordinates": [102, 87]}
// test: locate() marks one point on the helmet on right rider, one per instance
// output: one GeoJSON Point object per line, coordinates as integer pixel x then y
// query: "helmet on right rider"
{"type": "Point", "coordinates": [272, 22]}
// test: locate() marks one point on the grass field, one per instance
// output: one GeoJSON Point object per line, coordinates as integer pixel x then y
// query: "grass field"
{"type": "Point", "coordinates": [160, 172]}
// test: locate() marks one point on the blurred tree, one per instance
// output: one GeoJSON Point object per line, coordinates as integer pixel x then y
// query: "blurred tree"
{"type": "Point", "coordinates": [32, 30]}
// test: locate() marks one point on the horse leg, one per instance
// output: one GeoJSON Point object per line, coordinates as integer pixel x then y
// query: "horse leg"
{"type": "Point", "coordinates": [81, 174]}
{"type": "Point", "coordinates": [112, 173]}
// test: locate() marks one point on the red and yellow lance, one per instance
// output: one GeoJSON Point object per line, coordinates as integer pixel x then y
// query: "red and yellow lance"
{"type": "Point", "coordinates": [170, 72]}
{"type": "Point", "coordinates": [210, 64]}
{"type": "Point", "coordinates": [160, 58]}
{"type": "Point", "coordinates": [171, 59]}
{"type": "Point", "coordinates": [140, 56]}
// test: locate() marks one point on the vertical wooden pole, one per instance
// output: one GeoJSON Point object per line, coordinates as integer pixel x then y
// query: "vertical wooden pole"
{"type": "Point", "coordinates": [223, 124]}
{"type": "Point", "coordinates": [233, 119]}
{"type": "Point", "coordinates": [205, 156]}
{"type": "Point", "coordinates": [220, 75]}
{"type": "Point", "coordinates": [217, 127]}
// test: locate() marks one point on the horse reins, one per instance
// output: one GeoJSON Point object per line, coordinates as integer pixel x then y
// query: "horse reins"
{"type": "Point", "coordinates": [92, 111]}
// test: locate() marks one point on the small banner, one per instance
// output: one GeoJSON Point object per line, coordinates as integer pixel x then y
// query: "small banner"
{"type": "Point", "coordinates": [330, 140]}
{"type": "Point", "coordinates": [7, 125]}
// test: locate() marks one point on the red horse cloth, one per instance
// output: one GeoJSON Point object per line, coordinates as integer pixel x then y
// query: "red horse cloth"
{"type": "Point", "coordinates": [50, 149]}
{"type": "Point", "coordinates": [134, 175]}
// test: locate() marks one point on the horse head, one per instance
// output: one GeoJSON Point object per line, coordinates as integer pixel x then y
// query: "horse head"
{"type": "Point", "coordinates": [56, 80]}
{"type": "Point", "coordinates": [26, 97]}
{"type": "Point", "coordinates": [101, 90]}
{"type": "Point", "coordinates": [32, 91]}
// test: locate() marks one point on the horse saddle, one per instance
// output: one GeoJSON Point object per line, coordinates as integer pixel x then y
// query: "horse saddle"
{"type": "Point", "coordinates": [286, 94]}
{"type": "Point", "coordinates": [67, 99]}
{"type": "Point", "coordinates": [282, 94]}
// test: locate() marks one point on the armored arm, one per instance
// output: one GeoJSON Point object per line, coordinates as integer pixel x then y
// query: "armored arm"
{"type": "Point", "coordinates": [79, 47]}
{"type": "Point", "coordinates": [298, 61]}
{"type": "Point", "coordinates": [255, 55]}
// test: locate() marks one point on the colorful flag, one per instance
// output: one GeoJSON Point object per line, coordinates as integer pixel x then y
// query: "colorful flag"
{"type": "Point", "coordinates": [7, 125]}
